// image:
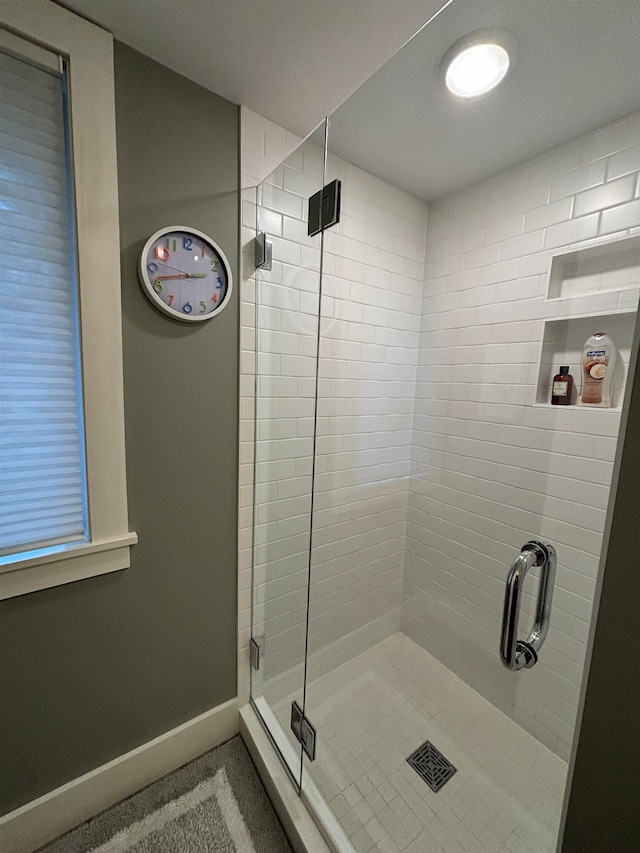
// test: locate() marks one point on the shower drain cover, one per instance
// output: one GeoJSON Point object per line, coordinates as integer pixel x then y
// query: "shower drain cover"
{"type": "Point", "coordinates": [431, 765]}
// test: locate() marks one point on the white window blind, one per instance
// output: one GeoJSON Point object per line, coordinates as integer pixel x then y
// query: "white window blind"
{"type": "Point", "coordinates": [42, 468]}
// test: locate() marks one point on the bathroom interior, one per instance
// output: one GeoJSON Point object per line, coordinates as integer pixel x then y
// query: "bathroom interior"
{"type": "Point", "coordinates": [366, 521]}
{"type": "Point", "coordinates": [397, 386]}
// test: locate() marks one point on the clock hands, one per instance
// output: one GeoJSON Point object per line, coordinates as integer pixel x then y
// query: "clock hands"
{"type": "Point", "coordinates": [182, 275]}
{"type": "Point", "coordinates": [160, 263]}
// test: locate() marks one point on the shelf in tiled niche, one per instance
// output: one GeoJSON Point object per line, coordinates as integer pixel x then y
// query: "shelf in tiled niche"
{"type": "Point", "coordinates": [607, 267]}
{"type": "Point", "coordinates": [563, 342]}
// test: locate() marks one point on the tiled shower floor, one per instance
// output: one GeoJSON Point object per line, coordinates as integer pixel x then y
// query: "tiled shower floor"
{"type": "Point", "coordinates": [374, 711]}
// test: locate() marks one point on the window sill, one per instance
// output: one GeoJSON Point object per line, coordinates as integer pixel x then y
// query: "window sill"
{"type": "Point", "coordinates": [72, 563]}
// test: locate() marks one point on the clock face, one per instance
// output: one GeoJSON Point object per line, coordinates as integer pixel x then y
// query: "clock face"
{"type": "Point", "coordinates": [184, 274]}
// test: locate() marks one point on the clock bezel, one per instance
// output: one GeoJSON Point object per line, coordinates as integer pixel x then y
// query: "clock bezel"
{"type": "Point", "coordinates": [153, 297]}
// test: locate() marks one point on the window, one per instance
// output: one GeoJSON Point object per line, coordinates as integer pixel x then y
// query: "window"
{"type": "Point", "coordinates": [42, 501]}
{"type": "Point", "coordinates": [63, 513]}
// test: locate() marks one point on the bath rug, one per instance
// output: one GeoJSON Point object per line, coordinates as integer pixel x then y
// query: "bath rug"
{"type": "Point", "coordinates": [215, 804]}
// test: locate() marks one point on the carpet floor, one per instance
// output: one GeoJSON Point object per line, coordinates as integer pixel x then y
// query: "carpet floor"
{"type": "Point", "coordinates": [215, 804]}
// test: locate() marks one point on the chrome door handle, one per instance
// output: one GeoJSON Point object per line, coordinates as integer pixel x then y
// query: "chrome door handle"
{"type": "Point", "coordinates": [515, 653]}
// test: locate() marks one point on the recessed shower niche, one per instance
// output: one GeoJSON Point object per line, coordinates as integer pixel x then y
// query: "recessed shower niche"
{"type": "Point", "coordinates": [607, 267]}
{"type": "Point", "coordinates": [563, 341]}
{"type": "Point", "coordinates": [604, 276]}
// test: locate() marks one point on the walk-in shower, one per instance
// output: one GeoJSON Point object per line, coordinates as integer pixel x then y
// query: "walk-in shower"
{"type": "Point", "coordinates": [405, 444]}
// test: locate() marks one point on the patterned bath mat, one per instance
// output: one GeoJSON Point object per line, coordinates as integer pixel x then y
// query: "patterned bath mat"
{"type": "Point", "coordinates": [215, 804]}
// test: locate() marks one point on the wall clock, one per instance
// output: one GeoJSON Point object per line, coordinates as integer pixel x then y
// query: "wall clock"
{"type": "Point", "coordinates": [185, 274]}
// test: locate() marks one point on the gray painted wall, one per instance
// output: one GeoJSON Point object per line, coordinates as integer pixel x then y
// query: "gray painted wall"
{"type": "Point", "coordinates": [95, 668]}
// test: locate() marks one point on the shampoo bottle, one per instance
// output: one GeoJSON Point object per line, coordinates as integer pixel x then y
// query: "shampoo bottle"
{"type": "Point", "coordinates": [598, 361]}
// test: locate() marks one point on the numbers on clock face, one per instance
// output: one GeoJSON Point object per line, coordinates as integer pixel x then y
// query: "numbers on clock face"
{"type": "Point", "coordinates": [187, 275]}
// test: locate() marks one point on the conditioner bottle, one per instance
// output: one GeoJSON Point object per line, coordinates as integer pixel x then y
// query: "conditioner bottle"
{"type": "Point", "coordinates": [598, 361]}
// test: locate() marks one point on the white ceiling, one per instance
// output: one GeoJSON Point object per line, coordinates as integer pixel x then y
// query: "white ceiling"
{"type": "Point", "coordinates": [576, 67]}
{"type": "Point", "coordinates": [293, 61]}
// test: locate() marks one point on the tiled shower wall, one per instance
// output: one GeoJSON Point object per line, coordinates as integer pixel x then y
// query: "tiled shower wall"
{"type": "Point", "coordinates": [287, 314]}
{"type": "Point", "coordinates": [373, 273]}
{"type": "Point", "coordinates": [372, 294]}
{"type": "Point", "coordinates": [263, 146]}
{"type": "Point", "coordinates": [490, 469]}
{"type": "Point", "coordinates": [372, 286]}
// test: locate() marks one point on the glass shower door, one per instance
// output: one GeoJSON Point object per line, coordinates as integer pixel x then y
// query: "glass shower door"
{"type": "Point", "coordinates": [370, 330]}
{"type": "Point", "coordinates": [286, 318]}
{"type": "Point", "coordinates": [439, 454]}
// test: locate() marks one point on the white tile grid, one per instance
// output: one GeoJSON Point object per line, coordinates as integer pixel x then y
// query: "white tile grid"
{"type": "Point", "coordinates": [610, 269]}
{"type": "Point", "coordinates": [377, 709]}
{"type": "Point", "coordinates": [372, 290]}
{"type": "Point", "coordinates": [373, 285]}
{"type": "Point", "coordinates": [287, 342]}
{"type": "Point", "coordinates": [264, 146]}
{"type": "Point", "coordinates": [490, 470]}
{"type": "Point", "coordinates": [260, 139]}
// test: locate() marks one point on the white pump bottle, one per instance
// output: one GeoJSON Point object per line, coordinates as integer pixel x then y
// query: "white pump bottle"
{"type": "Point", "coordinates": [598, 362]}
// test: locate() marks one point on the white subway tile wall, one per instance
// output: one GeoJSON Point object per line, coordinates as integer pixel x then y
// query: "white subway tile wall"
{"type": "Point", "coordinates": [372, 296]}
{"type": "Point", "coordinates": [288, 311]}
{"type": "Point", "coordinates": [258, 135]}
{"type": "Point", "coordinates": [433, 466]}
{"type": "Point", "coordinates": [372, 293]}
{"type": "Point", "coordinates": [264, 146]}
{"type": "Point", "coordinates": [490, 470]}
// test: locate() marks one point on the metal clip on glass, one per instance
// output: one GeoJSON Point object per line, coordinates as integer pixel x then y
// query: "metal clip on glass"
{"type": "Point", "coordinates": [515, 653]}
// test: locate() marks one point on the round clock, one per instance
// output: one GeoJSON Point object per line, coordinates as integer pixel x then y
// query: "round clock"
{"type": "Point", "coordinates": [185, 274]}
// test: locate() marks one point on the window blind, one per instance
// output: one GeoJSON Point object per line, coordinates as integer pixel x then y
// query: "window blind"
{"type": "Point", "coordinates": [42, 471]}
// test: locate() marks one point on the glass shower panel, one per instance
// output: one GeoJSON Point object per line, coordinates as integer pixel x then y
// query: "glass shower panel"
{"type": "Point", "coordinates": [452, 292]}
{"type": "Point", "coordinates": [286, 318]}
{"type": "Point", "coordinates": [369, 335]}
{"type": "Point", "coordinates": [372, 290]}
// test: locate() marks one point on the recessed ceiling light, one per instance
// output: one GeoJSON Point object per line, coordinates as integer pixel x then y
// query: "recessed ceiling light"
{"type": "Point", "coordinates": [477, 69]}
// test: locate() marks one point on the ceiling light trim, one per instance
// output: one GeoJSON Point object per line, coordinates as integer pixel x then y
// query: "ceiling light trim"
{"type": "Point", "coordinates": [502, 39]}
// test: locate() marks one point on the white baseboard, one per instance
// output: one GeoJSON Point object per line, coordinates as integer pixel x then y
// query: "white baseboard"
{"type": "Point", "coordinates": [42, 820]}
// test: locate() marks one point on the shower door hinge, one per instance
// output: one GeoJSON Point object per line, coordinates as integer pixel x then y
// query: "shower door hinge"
{"type": "Point", "coordinates": [264, 251]}
{"type": "Point", "coordinates": [303, 730]}
{"type": "Point", "coordinates": [255, 651]}
{"type": "Point", "coordinates": [324, 208]}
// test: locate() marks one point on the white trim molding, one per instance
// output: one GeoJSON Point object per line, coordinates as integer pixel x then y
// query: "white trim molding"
{"type": "Point", "coordinates": [89, 51]}
{"type": "Point", "coordinates": [70, 563]}
{"type": "Point", "coordinates": [42, 820]}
